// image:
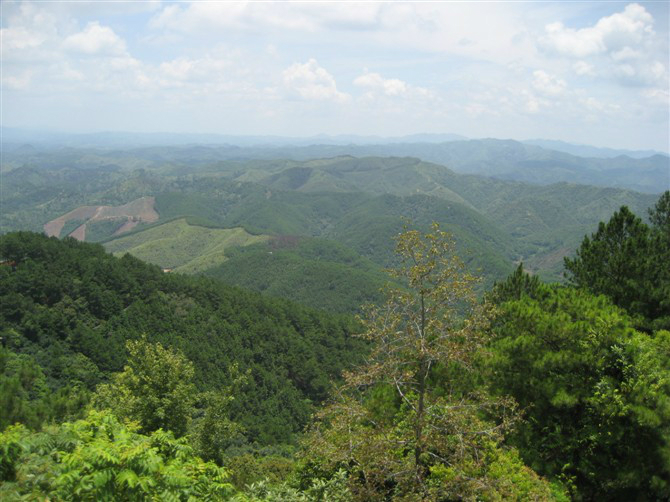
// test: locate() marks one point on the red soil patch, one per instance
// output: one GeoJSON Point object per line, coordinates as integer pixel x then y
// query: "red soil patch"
{"type": "Point", "coordinates": [79, 233]}
{"type": "Point", "coordinates": [139, 210]}
{"type": "Point", "coordinates": [54, 227]}
{"type": "Point", "coordinates": [126, 227]}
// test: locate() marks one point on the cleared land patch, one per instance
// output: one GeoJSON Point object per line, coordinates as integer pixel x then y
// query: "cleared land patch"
{"type": "Point", "coordinates": [127, 216]}
{"type": "Point", "coordinates": [182, 247]}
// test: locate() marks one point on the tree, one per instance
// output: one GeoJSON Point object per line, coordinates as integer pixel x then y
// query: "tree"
{"type": "Point", "coordinates": [628, 261]}
{"type": "Point", "coordinates": [659, 215]}
{"type": "Point", "coordinates": [595, 393]}
{"type": "Point", "coordinates": [611, 261]}
{"type": "Point", "coordinates": [409, 424]}
{"type": "Point", "coordinates": [155, 388]}
{"type": "Point", "coordinates": [212, 433]}
{"type": "Point", "coordinates": [659, 258]}
{"type": "Point", "coordinates": [518, 284]}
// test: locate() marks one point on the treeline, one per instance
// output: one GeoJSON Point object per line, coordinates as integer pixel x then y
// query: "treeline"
{"type": "Point", "coordinates": [175, 388]}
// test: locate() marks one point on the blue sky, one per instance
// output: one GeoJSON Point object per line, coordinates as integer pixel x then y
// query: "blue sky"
{"type": "Point", "coordinates": [585, 72]}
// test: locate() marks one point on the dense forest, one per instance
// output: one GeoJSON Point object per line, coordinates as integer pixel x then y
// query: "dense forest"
{"type": "Point", "coordinates": [123, 382]}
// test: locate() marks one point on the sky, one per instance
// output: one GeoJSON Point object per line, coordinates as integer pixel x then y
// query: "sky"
{"type": "Point", "coordinates": [585, 72]}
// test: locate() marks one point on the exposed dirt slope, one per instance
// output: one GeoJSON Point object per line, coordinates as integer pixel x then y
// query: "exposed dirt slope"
{"type": "Point", "coordinates": [127, 215]}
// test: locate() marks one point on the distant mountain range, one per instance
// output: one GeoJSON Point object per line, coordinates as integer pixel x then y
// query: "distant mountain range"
{"type": "Point", "coordinates": [15, 138]}
{"type": "Point", "coordinates": [591, 151]}
{"type": "Point", "coordinates": [510, 160]}
{"type": "Point", "coordinates": [502, 159]}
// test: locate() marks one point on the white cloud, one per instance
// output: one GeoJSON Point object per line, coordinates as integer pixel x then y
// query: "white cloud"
{"type": "Point", "coordinates": [659, 96]}
{"type": "Point", "coordinates": [206, 69]}
{"type": "Point", "coordinates": [626, 53]}
{"type": "Point", "coordinates": [583, 68]}
{"type": "Point", "coordinates": [309, 17]}
{"type": "Point", "coordinates": [585, 42]}
{"type": "Point", "coordinates": [20, 38]}
{"type": "Point", "coordinates": [451, 27]}
{"type": "Point", "coordinates": [95, 40]}
{"type": "Point", "coordinates": [630, 28]}
{"type": "Point", "coordinates": [532, 105]}
{"type": "Point", "coordinates": [477, 110]}
{"type": "Point", "coordinates": [17, 82]}
{"type": "Point", "coordinates": [311, 82]}
{"type": "Point", "coordinates": [595, 105]}
{"type": "Point", "coordinates": [390, 87]}
{"type": "Point", "coordinates": [474, 68]}
{"type": "Point", "coordinates": [622, 47]}
{"type": "Point", "coordinates": [547, 84]}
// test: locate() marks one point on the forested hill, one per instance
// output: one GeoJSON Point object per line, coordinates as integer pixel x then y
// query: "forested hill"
{"type": "Point", "coordinates": [67, 309]}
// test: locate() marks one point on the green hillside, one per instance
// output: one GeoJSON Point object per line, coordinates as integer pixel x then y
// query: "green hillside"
{"type": "Point", "coordinates": [338, 273]}
{"type": "Point", "coordinates": [503, 159]}
{"type": "Point", "coordinates": [315, 272]}
{"type": "Point", "coordinates": [216, 373]}
{"type": "Point", "coordinates": [344, 199]}
{"type": "Point", "coordinates": [67, 308]}
{"type": "Point", "coordinates": [181, 246]}
{"type": "Point", "coordinates": [540, 223]}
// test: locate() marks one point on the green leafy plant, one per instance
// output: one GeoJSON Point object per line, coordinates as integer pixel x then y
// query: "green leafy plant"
{"type": "Point", "coordinates": [100, 458]}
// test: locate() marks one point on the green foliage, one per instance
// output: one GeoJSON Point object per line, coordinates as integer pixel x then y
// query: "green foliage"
{"type": "Point", "coordinates": [516, 286]}
{"type": "Point", "coordinates": [609, 261]}
{"type": "Point", "coordinates": [181, 246]}
{"type": "Point", "coordinates": [316, 272]}
{"type": "Point", "coordinates": [26, 397]}
{"type": "Point", "coordinates": [628, 262]}
{"type": "Point", "coordinates": [73, 307]}
{"type": "Point", "coordinates": [248, 469]}
{"type": "Point", "coordinates": [24, 390]}
{"type": "Point", "coordinates": [431, 440]}
{"type": "Point", "coordinates": [502, 159]}
{"type": "Point", "coordinates": [659, 216]}
{"type": "Point", "coordinates": [334, 489]}
{"type": "Point", "coordinates": [97, 231]}
{"type": "Point", "coordinates": [99, 458]}
{"type": "Point", "coordinates": [70, 226]}
{"type": "Point", "coordinates": [214, 432]}
{"type": "Point", "coordinates": [595, 393]}
{"type": "Point", "coordinates": [493, 220]}
{"type": "Point", "coordinates": [155, 389]}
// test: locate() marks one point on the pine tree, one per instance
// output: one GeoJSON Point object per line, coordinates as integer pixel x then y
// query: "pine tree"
{"type": "Point", "coordinates": [613, 262]}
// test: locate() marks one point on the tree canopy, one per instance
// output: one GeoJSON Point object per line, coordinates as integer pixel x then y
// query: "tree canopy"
{"type": "Point", "coordinates": [594, 391]}
{"type": "Point", "coordinates": [155, 389]}
{"type": "Point", "coordinates": [628, 261]}
{"type": "Point", "coordinates": [398, 426]}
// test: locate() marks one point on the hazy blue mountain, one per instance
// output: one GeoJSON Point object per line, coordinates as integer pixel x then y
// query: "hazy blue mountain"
{"type": "Point", "coordinates": [591, 151]}
{"type": "Point", "coordinates": [504, 159]}
{"type": "Point", "coordinates": [115, 139]}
